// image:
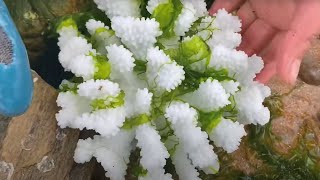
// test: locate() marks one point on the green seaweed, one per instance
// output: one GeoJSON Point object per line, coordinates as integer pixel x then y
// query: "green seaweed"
{"type": "Point", "coordinates": [143, 8]}
{"type": "Point", "coordinates": [298, 164]}
{"type": "Point", "coordinates": [302, 162]}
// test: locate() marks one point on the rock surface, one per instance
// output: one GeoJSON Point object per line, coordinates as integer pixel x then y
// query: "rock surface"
{"type": "Point", "coordinates": [310, 67]}
{"type": "Point", "coordinates": [32, 18]}
{"type": "Point", "coordinates": [32, 147]}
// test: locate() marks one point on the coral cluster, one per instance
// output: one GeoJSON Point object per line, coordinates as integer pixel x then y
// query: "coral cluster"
{"type": "Point", "coordinates": [170, 84]}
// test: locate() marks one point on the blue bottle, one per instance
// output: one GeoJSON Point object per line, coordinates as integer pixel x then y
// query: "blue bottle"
{"type": "Point", "coordinates": [16, 85]}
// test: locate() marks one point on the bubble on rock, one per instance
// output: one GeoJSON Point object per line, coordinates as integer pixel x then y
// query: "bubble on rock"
{"type": "Point", "coordinates": [46, 164]}
{"type": "Point", "coordinates": [60, 135]}
{"type": "Point", "coordinates": [6, 170]}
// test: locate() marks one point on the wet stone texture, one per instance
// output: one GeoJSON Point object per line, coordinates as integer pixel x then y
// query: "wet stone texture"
{"type": "Point", "coordinates": [310, 67]}
{"type": "Point", "coordinates": [31, 147]}
{"type": "Point", "coordinates": [301, 107]}
{"type": "Point", "coordinates": [32, 18]}
{"type": "Point", "coordinates": [6, 170]}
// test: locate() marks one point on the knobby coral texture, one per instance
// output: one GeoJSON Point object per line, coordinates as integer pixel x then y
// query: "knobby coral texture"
{"type": "Point", "coordinates": [170, 84]}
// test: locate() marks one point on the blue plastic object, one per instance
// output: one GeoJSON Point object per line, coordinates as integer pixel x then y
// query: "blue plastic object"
{"type": "Point", "coordinates": [16, 85]}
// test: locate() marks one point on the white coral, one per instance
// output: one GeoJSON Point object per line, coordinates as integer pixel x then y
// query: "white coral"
{"type": "Point", "coordinates": [236, 62]}
{"type": "Point", "coordinates": [185, 19]}
{"type": "Point", "coordinates": [137, 34]}
{"type": "Point", "coordinates": [152, 4]}
{"type": "Point", "coordinates": [72, 106]}
{"type": "Point", "coordinates": [112, 152]}
{"type": "Point", "coordinates": [183, 165]}
{"type": "Point", "coordinates": [194, 141]}
{"type": "Point", "coordinates": [210, 96]}
{"type": "Point", "coordinates": [106, 122]}
{"type": "Point", "coordinates": [119, 7]}
{"type": "Point", "coordinates": [98, 89]}
{"type": "Point", "coordinates": [92, 25]}
{"type": "Point", "coordinates": [228, 39]}
{"type": "Point", "coordinates": [153, 152]}
{"type": "Point", "coordinates": [226, 21]}
{"type": "Point", "coordinates": [75, 47]}
{"type": "Point", "coordinates": [170, 76]}
{"type": "Point", "coordinates": [249, 101]}
{"type": "Point", "coordinates": [120, 58]}
{"type": "Point", "coordinates": [200, 6]}
{"type": "Point", "coordinates": [228, 134]}
{"type": "Point", "coordinates": [65, 34]}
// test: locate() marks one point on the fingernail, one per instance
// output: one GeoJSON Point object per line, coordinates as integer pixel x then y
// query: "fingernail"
{"type": "Point", "coordinates": [293, 71]}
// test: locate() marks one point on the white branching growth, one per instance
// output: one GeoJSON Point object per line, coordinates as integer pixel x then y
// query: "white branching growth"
{"type": "Point", "coordinates": [211, 96]}
{"type": "Point", "coordinates": [183, 165]}
{"type": "Point", "coordinates": [141, 36]}
{"type": "Point", "coordinates": [116, 149]}
{"type": "Point", "coordinates": [93, 25]}
{"type": "Point", "coordinates": [185, 19]}
{"type": "Point", "coordinates": [170, 86]}
{"type": "Point", "coordinates": [194, 141]}
{"type": "Point", "coordinates": [124, 8]}
{"type": "Point", "coordinates": [227, 134]}
{"type": "Point", "coordinates": [153, 152]}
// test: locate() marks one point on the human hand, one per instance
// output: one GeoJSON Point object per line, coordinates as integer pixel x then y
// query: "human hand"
{"type": "Point", "coordinates": [279, 31]}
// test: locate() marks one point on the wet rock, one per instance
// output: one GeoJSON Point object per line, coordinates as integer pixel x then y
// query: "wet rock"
{"type": "Point", "coordinates": [45, 165]}
{"type": "Point", "coordinates": [301, 106]}
{"type": "Point", "coordinates": [6, 170]}
{"type": "Point", "coordinates": [310, 67]}
{"type": "Point", "coordinates": [29, 142]}
{"type": "Point", "coordinates": [32, 18]}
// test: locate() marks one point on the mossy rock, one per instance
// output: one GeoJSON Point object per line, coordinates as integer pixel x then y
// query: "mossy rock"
{"type": "Point", "coordinates": [33, 16]}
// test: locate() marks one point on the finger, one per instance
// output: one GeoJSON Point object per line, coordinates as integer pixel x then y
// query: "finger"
{"type": "Point", "coordinates": [247, 15]}
{"type": "Point", "coordinates": [293, 48]}
{"type": "Point", "coordinates": [267, 73]}
{"type": "Point", "coordinates": [307, 16]}
{"type": "Point", "coordinates": [257, 36]}
{"type": "Point", "coordinates": [229, 5]}
{"type": "Point", "coordinates": [297, 40]}
{"type": "Point", "coordinates": [286, 51]}
{"type": "Point", "coordinates": [279, 13]}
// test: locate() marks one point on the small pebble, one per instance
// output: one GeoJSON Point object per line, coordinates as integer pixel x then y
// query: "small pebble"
{"type": "Point", "coordinates": [310, 69]}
